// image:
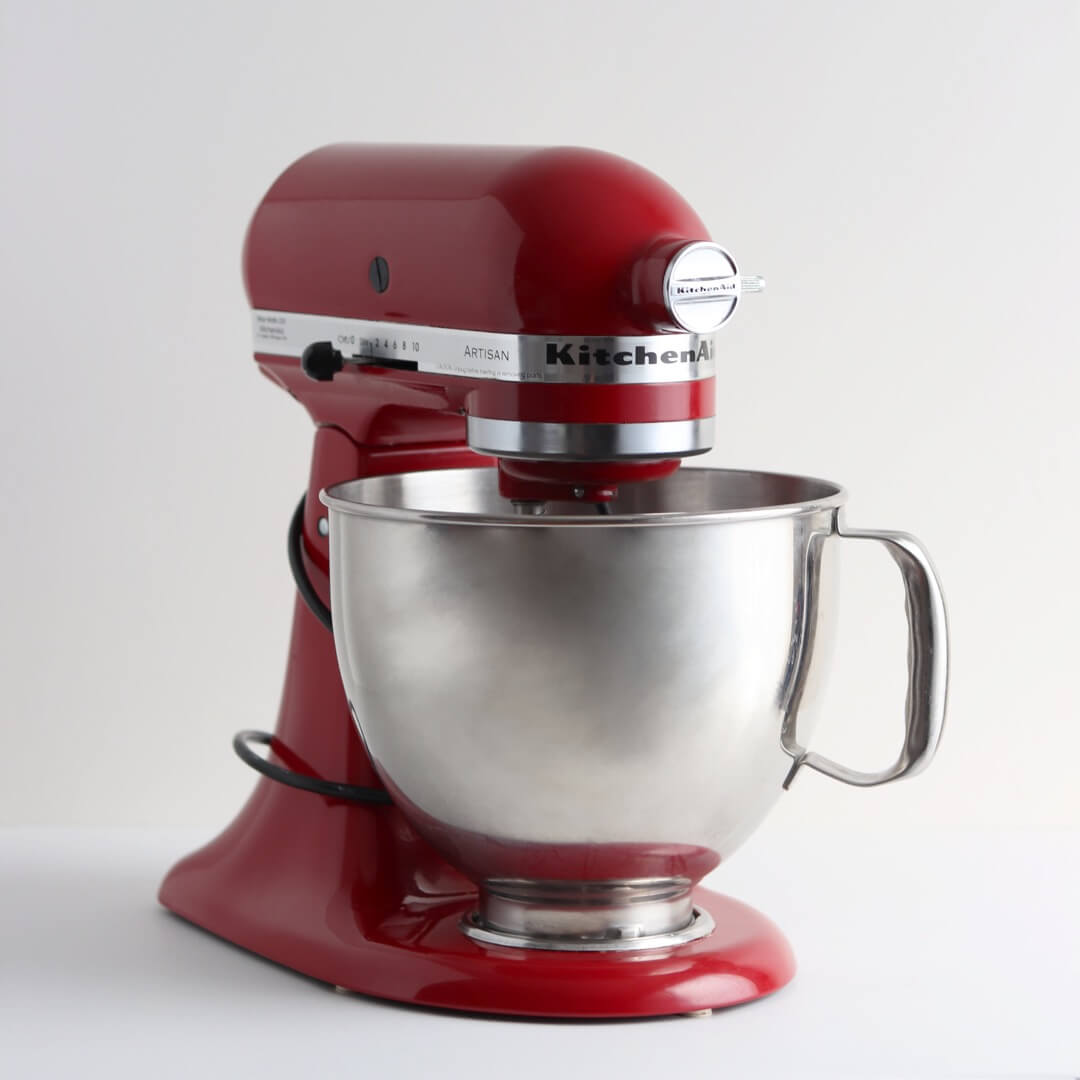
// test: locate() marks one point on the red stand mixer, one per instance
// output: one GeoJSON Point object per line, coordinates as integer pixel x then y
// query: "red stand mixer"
{"type": "Point", "coordinates": [538, 323]}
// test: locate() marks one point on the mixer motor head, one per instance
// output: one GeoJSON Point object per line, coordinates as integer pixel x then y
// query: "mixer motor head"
{"type": "Point", "coordinates": [553, 308]}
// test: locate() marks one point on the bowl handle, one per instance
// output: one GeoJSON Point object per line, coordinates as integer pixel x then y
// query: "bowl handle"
{"type": "Point", "coordinates": [928, 667]}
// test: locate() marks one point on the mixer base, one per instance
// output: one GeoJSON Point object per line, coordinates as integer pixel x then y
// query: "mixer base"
{"type": "Point", "coordinates": [421, 956]}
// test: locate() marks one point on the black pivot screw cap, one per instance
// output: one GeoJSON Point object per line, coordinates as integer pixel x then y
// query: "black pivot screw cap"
{"type": "Point", "coordinates": [379, 274]}
{"type": "Point", "coordinates": [321, 361]}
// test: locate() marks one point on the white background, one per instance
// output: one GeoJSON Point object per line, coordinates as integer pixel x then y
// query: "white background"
{"type": "Point", "coordinates": [905, 175]}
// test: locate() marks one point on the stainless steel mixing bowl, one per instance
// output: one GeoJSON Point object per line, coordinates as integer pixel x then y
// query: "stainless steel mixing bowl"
{"type": "Point", "coordinates": [585, 713]}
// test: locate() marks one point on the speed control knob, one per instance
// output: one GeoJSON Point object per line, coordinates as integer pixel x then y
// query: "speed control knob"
{"type": "Point", "coordinates": [321, 361]}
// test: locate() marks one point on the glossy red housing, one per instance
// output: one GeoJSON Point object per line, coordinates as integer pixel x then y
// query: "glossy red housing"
{"type": "Point", "coordinates": [512, 240]}
{"type": "Point", "coordinates": [518, 240]}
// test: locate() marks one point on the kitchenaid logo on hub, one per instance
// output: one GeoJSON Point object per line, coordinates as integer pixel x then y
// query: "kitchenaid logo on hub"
{"type": "Point", "coordinates": [586, 356]}
{"type": "Point", "coordinates": [704, 289]}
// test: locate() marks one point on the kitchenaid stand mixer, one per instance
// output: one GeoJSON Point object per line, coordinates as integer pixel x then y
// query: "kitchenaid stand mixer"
{"type": "Point", "coordinates": [507, 352]}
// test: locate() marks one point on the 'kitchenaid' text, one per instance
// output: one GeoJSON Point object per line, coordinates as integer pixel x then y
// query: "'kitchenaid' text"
{"type": "Point", "coordinates": [585, 355]}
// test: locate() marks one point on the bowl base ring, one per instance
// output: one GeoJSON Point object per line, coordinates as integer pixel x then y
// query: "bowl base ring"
{"type": "Point", "coordinates": [700, 926]}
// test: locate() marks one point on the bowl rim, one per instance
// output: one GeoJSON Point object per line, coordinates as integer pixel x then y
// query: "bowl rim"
{"type": "Point", "coordinates": [340, 498]}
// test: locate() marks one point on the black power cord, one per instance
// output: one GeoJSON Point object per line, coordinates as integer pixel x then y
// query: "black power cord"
{"type": "Point", "coordinates": [331, 789]}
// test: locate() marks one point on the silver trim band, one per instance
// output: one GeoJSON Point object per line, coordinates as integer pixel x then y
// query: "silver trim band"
{"type": "Point", "coordinates": [590, 442]}
{"type": "Point", "coordinates": [477, 354]}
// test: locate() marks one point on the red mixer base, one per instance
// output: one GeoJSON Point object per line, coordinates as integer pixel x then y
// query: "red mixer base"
{"type": "Point", "coordinates": [420, 956]}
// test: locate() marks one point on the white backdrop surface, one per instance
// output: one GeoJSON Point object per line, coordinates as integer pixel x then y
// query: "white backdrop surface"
{"type": "Point", "coordinates": [905, 175]}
